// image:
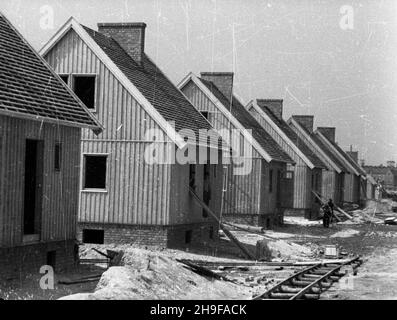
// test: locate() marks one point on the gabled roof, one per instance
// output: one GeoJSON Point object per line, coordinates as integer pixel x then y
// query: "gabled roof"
{"type": "Point", "coordinates": [342, 156]}
{"type": "Point", "coordinates": [371, 179]}
{"type": "Point", "coordinates": [30, 89]}
{"type": "Point", "coordinates": [289, 136]}
{"type": "Point", "coordinates": [241, 118]}
{"type": "Point", "coordinates": [319, 145]}
{"type": "Point", "coordinates": [145, 82]}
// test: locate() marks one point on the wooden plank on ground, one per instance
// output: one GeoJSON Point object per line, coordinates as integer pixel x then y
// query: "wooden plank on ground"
{"type": "Point", "coordinates": [243, 249]}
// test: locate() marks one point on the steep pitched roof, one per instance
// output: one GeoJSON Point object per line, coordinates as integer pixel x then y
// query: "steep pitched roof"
{"type": "Point", "coordinates": [249, 122]}
{"type": "Point", "coordinates": [349, 160]}
{"type": "Point", "coordinates": [293, 137]}
{"type": "Point", "coordinates": [328, 151]}
{"type": "Point", "coordinates": [314, 140]}
{"type": "Point", "coordinates": [154, 85]}
{"type": "Point", "coordinates": [30, 89]}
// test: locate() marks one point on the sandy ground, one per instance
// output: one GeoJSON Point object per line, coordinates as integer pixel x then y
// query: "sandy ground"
{"type": "Point", "coordinates": [148, 273]}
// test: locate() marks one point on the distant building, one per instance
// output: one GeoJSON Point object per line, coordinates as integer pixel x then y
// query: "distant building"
{"type": "Point", "coordinates": [384, 175]}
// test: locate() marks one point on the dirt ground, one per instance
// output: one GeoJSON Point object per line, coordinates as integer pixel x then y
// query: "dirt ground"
{"type": "Point", "coordinates": [154, 273]}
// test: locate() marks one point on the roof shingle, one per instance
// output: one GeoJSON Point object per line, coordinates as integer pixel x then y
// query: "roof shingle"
{"type": "Point", "coordinates": [249, 122]}
{"type": "Point", "coordinates": [29, 87]}
{"type": "Point", "coordinates": [291, 134]}
{"type": "Point", "coordinates": [164, 96]}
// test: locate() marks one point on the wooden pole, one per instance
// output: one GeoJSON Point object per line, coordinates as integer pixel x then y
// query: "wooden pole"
{"type": "Point", "coordinates": [223, 228]}
{"type": "Point", "coordinates": [323, 202]}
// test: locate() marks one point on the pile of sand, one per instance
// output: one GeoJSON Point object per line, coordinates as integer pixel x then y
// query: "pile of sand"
{"type": "Point", "coordinates": [345, 233]}
{"type": "Point", "coordinates": [279, 249]}
{"type": "Point", "coordinates": [145, 274]}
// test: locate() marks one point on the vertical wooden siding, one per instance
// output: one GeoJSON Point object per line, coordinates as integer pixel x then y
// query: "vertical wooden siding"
{"type": "Point", "coordinates": [60, 189]}
{"type": "Point", "coordinates": [246, 194]}
{"type": "Point", "coordinates": [302, 185]}
{"type": "Point", "coordinates": [137, 193]}
{"type": "Point", "coordinates": [327, 181]}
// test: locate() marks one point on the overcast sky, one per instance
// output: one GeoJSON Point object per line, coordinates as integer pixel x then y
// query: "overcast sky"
{"type": "Point", "coordinates": [341, 70]}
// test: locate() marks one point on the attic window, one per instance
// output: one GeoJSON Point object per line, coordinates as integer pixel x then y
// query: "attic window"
{"type": "Point", "coordinates": [95, 172]}
{"type": "Point", "coordinates": [65, 78]}
{"type": "Point", "coordinates": [84, 87]}
{"type": "Point", "coordinates": [205, 114]}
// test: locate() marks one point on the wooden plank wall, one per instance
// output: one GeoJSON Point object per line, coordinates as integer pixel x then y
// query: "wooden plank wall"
{"type": "Point", "coordinates": [327, 181]}
{"type": "Point", "coordinates": [302, 185]}
{"type": "Point", "coordinates": [60, 189]}
{"type": "Point", "coordinates": [244, 194]}
{"type": "Point", "coordinates": [183, 208]}
{"type": "Point", "coordinates": [137, 193]}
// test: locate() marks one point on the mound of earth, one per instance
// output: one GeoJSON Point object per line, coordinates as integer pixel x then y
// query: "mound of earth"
{"type": "Point", "coordinates": [145, 274]}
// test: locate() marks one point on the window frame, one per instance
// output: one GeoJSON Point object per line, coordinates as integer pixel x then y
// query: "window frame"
{"type": "Point", "coordinates": [72, 77]}
{"type": "Point", "coordinates": [83, 171]}
{"type": "Point", "coordinates": [58, 143]}
{"type": "Point", "coordinates": [65, 75]}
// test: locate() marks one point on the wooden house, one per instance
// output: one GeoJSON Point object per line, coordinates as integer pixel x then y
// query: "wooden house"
{"type": "Point", "coordinates": [333, 176]}
{"type": "Point", "coordinates": [352, 181]}
{"type": "Point", "coordinates": [352, 157]}
{"type": "Point", "coordinates": [125, 198]}
{"type": "Point", "coordinates": [40, 130]}
{"type": "Point", "coordinates": [308, 168]}
{"type": "Point", "coordinates": [256, 197]}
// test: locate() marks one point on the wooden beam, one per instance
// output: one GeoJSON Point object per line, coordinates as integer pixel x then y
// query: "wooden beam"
{"type": "Point", "coordinates": [323, 202]}
{"type": "Point", "coordinates": [246, 252]}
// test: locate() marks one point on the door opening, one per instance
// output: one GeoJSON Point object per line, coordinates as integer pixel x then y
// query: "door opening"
{"type": "Point", "coordinates": [33, 187]}
{"type": "Point", "coordinates": [206, 187]}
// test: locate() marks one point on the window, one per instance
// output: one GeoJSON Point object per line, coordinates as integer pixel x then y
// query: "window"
{"type": "Point", "coordinates": [192, 176]}
{"type": "Point", "coordinates": [57, 156]}
{"type": "Point", "coordinates": [93, 236]}
{"type": "Point", "coordinates": [188, 236]}
{"type": "Point", "coordinates": [288, 174]}
{"type": "Point", "coordinates": [65, 78]}
{"type": "Point", "coordinates": [205, 114]}
{"type": "Point", "coordinates": [84, 87]}
{"type": "Point", "coordinates": [95, 172]}
{"type": "Point", "coordinates": [270, 181]}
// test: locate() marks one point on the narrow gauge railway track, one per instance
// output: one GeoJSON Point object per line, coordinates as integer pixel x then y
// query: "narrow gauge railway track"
{"type": "Point", "coordinates": [308, 283]}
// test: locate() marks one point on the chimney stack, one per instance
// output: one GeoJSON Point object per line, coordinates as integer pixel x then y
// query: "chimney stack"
{"type": "Point", "coordinates": [222, 80]}
{"type": "Point", "coordinates": [305, 121]}
{"type": "Point", "coordinates": [130, 36]}
{"type": "Point", "coordinates": [328, 132]}
{"type": "Point", "coordinates": [274, 105]}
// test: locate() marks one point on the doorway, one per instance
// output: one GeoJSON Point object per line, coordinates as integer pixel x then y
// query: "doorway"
{"type": "Point", "coordinates": [33, 187]}
{"type": "Point", "coordinates": [206, 187]}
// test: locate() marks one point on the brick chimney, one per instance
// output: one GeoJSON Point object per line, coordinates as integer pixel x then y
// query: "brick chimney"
{"type": "Point", "coordinates": [130, 36]}
{"type": "Point", "coordinates": [274, 105]}
{"type": "Point", "coordinates": [305, 121]}
{"type": "Point", "coordinates": [222, 80]}
{"type": "Point", "coordinates": [328, 132]}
